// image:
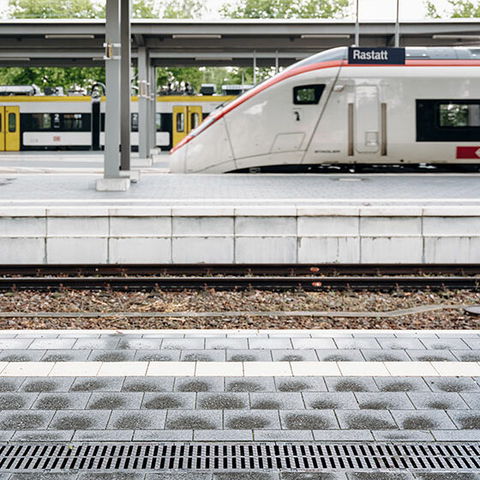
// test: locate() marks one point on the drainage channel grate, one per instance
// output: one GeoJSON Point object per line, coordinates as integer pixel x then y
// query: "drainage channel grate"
{"type": "Point", "coordinates": [451, 457]}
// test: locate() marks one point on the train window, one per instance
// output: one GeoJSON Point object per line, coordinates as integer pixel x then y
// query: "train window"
{"type": "Point", "coordinates": [56, 120]}
{"type": "Point", "coordinates": [40, 121]}
{"type": "Point", "coordinates": [134, 122]}
{"type": "Point", "coordinates": [194, 120]}
{"type": "Point", "coordinates": [158, 121]}
{"type": "Point", "coordinates": [307, 94]}
{"type": "Point", "coordinates": [73, 121]}
{"type": "Point", "coordinates": [12, 122]}
{"type": "Point", "coordinates": [458, 115]}
{"type": "Point", "coordinates": [180, 122]}
{"type": "Point", "coordinates": [448, 120]}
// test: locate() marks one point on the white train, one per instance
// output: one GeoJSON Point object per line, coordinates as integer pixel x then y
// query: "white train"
{"type": "Point", "coordinates": [347, 106]}
{"type": "Point", "coordinates": [29, 121]}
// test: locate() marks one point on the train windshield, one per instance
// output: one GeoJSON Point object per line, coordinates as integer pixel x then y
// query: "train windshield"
{"type": "Point", "coordinates": [339, 53]}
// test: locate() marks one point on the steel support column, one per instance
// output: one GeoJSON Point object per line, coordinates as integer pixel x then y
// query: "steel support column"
{"type": "Point", "coordinates": [153, 108]}
{"type": "Point", "coordinates": [143, 101]}
{"type": "Point", "coordinates": [126, 81]}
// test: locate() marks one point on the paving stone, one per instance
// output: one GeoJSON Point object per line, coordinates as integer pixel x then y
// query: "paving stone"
{"type": "Point", "coordinates": [343, 435]}
{"type": "Point", "coordinates": [312, 476]}
{"type": "Point", "coordinates": [465, 420]}
{"type": "Point", "coordinates": [179, 476]}
{"type": "Point", "coordinates": [108, 343]}
{"type": "Point", "coordinates": [431, 355]}
{"type": "Point", "coordinates": [96, 384]}
{"type": "Point", "coordinates": [250, 420]}
{"type": "Point", "coordinates": [103, 435]}
{"type": "Point", "coordinates": [115, 401]}
{"type": "Point", "coordinates": [467, 355]}
{"type": "Point", "coordinates": [61, 401]}
{"type": "Point", "coordinates": [51, 343]}
{"type": "Point", "coordinates": [111, 355]}
{"type": "Point", "coordinates": [42, 476]}
{"type": "Point", "coordinates": [401, 384]}
{"type": "Point", "coordinates": [403, 436]}
{"type": "Point", "coordinates": [226, 343]}
{"type": "Point", "coordinates": [194, 419]}
{"type": "Point", "coordinates": [379, 476]}
{"type": "Point", "coordinates": [183, 344]}
{"type": "Point", "coordinates": [473, 343]}
{"type": "Point", "coordinates": [329, 400]}
{"type": "Point", "coordinates": [142, 384]}
{"type": "Point", "coordinates": [294, 356]}
{"type": "Point", "coordinates": [223, 435]}
{"type": "Point", "coordinates": [15, 343]}
{"type": "Point", "coordinates": [283, 435]}
{"type": "Point", "coordinates": [65, 355]}
{"type": "Point", "coordinates": [443, 343]}
{"type": "Point", "coordinates": [350, 384]}
{"type": "Point", "coordinates": [42, 436]}
{"type": "Point", "coordinates": [277, 401]}
{"type": "Point", "coordinates": [448, 476]}
{"type": "Point", "coordinates": [156, 401]}
{"type": "Point", "coordinates": [301, 420]}
{"type": "Point", "coordinates": [439, 401]}
{"type": "Point", "coordinates": [79, 420]}
{"type": "Point", "coordinates": [156, 356]}
{"type": "Point", "coordinates": [163, 435]}
{"type": "Point", "coordinates": [11, 384]}
{"type": "Point", "coordinates": [423, 420]}
{"type": "Point", "coordinates": [379, 355]}
{"type": "Point", "coordinates": [249, 355]}
{"type": "Point", "coordinates": [222, 401]}
{"type": "Point", "coordinates": [471, 399]}
{"type": "Point", "coordinates": [371, 420]}
{"type": "Point", "coordinates": [25, 420]}
{"type": "Point", "coordinates": [199, 384]}
{"type": "Point", "coordinates": [6, 435]}
{"type": "Point", "coordinates": [270, 343]}
{"type": "Point", "coordinates": [202, 356]}
{"type": "Point", "coordinates": [111, 476]}
{"type": "Point", "coordinates": [57, 384]}
{"type": "Point", "coordinates": [401, 343]}
{"type": "Point", "coordinates": [452, 384]}
{"type": "Point", "coordinates": [470, 435]}
{"type": "Point", "coordinates": [357, 343]}
{"type": "Point", "coordinates": [312, 343]}
{"type": "Point", "coordinates": [16, 401]}
{"type": "Point", "coordinates": [251, 384]}
{"type": "Point", "coordinates": [139, 344]}
{"type": "Point", "coordinates": [21, 355]}
{"type": "Point", "coordinates": [339, 355]}
{"type": "Point", "coordinates": [383, 401]}
{"type": "Point", "coordinates": [300, 384]}
{"type": "Point", "coordinates": [137, 419]}
{"type": "Point", "coordinates": [246, 476]}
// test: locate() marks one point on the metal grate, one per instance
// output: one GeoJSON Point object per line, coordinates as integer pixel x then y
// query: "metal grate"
{"type": "Point", "coordinates": [451, 457]}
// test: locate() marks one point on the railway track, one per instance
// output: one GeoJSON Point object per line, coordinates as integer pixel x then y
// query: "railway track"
{"type": "Point", "coordinates": [230, 277]}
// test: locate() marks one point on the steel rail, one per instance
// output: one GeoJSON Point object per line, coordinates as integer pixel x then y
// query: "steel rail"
{"type": "Point", "coordinates": [310, 283]}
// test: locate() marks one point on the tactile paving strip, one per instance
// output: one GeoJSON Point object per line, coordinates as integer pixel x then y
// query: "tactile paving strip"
{"type": "Point", "coordinates": [441, 457]}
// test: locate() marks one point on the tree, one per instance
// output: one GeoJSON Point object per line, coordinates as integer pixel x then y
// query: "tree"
{"type": "Point", "coordinates": [184, 9]}
{"type": "Point", "coordinates": [455, 9]}
{"type": "Point", "coordinates": [285, 9]}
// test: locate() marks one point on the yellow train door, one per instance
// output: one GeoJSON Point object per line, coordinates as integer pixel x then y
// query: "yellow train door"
{"type": "Point", "coordinates": [12, 129]}
{"type": "Point", "coordinates": [179, 123]}
{"type": "Point", "coordinates": [2, 129]}
{"type": "Point", "coordinates": [194, 117]}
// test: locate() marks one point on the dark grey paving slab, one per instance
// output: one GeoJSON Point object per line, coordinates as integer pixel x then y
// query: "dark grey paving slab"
{"type": "Point", "coordinates": [329, 400]}
{"type": "Point", "coordinates": [11, 384]}
{"type": "Point", "coordinates": [202, 356]}
{"type": "Point", "coordinates": [343, 435]}
{"type": "Point", "coordinates": [383, 401]}
{"type": "Point", "coordinates": [357, 343]}
{"type": "Point", "coordinates": [440, 401]}
{"type": "Point", "coordinates": [448, 476]}
{"type": "Point", "coordinates": [97, 384]}
{"type": "Point", "coordinates": [431, 355]}
{"type": "Point", "coordinates": [112, 355]}
{"type": "Point", "coordinates": [43, 436]}
{"type": "Point", "coordinates": [183, 343]}
{"type": "Point", "coordinates": [115, 401]}
{"type": "Point", "coordinates": [163, 435]}
{"type": "Point", "coordinates": [61, 401]}
{"type": "Point", "coordinates": [403, 436]}
{"type": "Point", "coordinates": [276, 401]}
{"type": "Point", "coordinates": [25, 420]}
{"type": "Point", "coordinates": [471, 399]}
{"type": "Point", "coordinates": [246, 476]}
{"type": "Point", "coordinates": [179, 476]}
{"type": "Point", "coordinates": [270, 343]}
{"type": "Point", "coordinates": [283, 435]}
{"type": "Point", "coordinates": [145, 384]}
{"type": "Point", "coordinates": [379, 476]}
{"type": "Point", "coordinates": [467, 355]}
{"type": "Point", "coordinates": [473, 343]}
{"type": "Point", "coordinates": [200, 384]}
{"type": "Point", "coordinates": [249, 384]}
{"type": "Point", "coordinates": [64, 355]}
{"type": "Point", "coordinates": [465, 420]}
{"type": "Point", "coordinates": [16, 401]}
{"type": "Point", "coordinates": [248, 355]}
{"type": "Point", "coordinates": [222, 401]}
{"type": "Point", "coordinates": [226, 343]}
{"type": "Point", "coordinates": [452, 384]}
{"type": "Point", "coordinates": [456, 435]}
{"type": "Point", "coordinates": [15, 343]}
{"type": "Point", "coordinates": [52, 343]}
{"type": "Point", "coordinates": [79, 420]}
{"type": "Point", "coordinates": [402, 384]}
{"type": "Point", "coordinates": [300, 384]}
{"type": "Point", "coordinates": [157, 355]}
{"type": "Point", "coordinates": [294, 356]}
{"type": "Point", "coordinates": [385, 355]}
{"type": "Point", "coordinates": [423, 420]}
{"type": "Point", "coordinates": [106, 343]}
{"type": "Point", "coordinates": [401, 343]}
{"type": "Point", "coordinates": [42, 476]}
{"type": "Point", "coordinates": [110, 476]}
{"type": "Point", "coordinates": [223, 435]}
{"type": "Point", "coordinates": [103, 435]}
{"type": "Point", "coordinates": [313, 343]}
{"type": "Point", "coordinates": [158, 401]}
{"type": "Point", "coordinates": [371, 420]}
{"type": "Point", "coordinates": [21, 355]}
{"type": "Point", "coordinates": [137, 420]}
{"type": "Point", "coordinates": [44, 384]}
{"type": "Point", "coordinates": [312, 476]}
{"type": "Point", "coordinates": [194, 419]}
{"type": "Point", "coordinates": [251, 419]}
{"type": "Point", "coordinates": [444, 343]}
{"type": "Point", "coordinates": [339, 355]}
{"type": "Point", "coordinates": [351, 384]}
{"type": "Point", "coordinates": [303, 420]}
{"type": "Point", "coordinates": [139, 344]}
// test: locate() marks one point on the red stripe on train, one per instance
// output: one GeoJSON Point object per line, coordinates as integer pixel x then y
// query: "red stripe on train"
{"type": "Point", "coordinates": [468, 153]}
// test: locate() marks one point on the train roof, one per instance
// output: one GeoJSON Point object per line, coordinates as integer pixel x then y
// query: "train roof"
{"type": "Point", "coordinates": [411, 53]}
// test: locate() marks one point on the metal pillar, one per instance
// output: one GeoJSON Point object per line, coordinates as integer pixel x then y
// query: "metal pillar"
{"type": "Point", "coordinates": [254, 67]}
{"type": "Point", "coordinates": [112, 179]}
{"type": "Point", "coordinates": [357, 25]}
{"type": "Point", "coordinates": [397, 25]}
{"type": "Point", "coordinates": [125, 87]}
{"type": "Point", "coordinates": [143, 101]}
{"type": "Point", "coordinates": [153, 109]}
{"type": "Point", "coordinates": [276, 61]}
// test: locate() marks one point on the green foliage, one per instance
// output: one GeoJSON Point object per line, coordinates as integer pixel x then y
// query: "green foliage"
{"type": "Point", "coordinates": [285, 9]}
{"type": "Point", "coordinates": [183, 9]}
{"type": "Point", "coordinates": [50, 9]}
{"type": "Point", "coordinates": [455, 9]}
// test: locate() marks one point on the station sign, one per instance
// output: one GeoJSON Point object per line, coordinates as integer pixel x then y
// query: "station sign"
{"type": "Point", "coordinates": [374, 55]}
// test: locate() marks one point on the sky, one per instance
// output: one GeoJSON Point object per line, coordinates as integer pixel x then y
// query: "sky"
{"type": "Point", "coordinates": [368, 9]}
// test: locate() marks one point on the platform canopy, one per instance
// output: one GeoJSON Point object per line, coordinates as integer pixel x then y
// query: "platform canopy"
{"type": "Point", "coordinates": [214, 43]}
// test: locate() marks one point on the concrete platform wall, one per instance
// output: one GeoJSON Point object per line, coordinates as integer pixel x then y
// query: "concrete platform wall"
{"type": "Point", "coordinates": [83, 235]}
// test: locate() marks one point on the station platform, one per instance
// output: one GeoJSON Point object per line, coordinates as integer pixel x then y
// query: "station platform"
{"type": "Point", "coordinates": [59, 218]}
{"type": "Point", "coordinates": [399, 390]}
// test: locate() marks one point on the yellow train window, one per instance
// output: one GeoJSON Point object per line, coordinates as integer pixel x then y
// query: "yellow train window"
{"type": "Point", "coordinates": [194, 120]}
{"type": "Point", "coordinates": [180, 122]}
{"type": "Point", "coordinates": [12, 122]}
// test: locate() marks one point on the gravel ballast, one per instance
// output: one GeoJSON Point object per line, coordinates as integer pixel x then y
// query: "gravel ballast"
{"type": "Point", "coordinates": [245, 301]}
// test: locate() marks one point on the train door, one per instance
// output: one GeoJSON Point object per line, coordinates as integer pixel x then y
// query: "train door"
{"type": "Point", "coordinates": [367, 120]}
{"type": "Point", "coordinates": [185, 119]}
{"type": "Point", "coordinates": [9, 129]}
